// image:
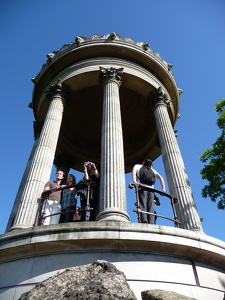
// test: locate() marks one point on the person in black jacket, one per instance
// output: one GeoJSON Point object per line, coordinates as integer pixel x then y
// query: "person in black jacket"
{"type": "Point", "coordinates": [146, 197]}
{"type": "Point", "coordinates": [91, 175]}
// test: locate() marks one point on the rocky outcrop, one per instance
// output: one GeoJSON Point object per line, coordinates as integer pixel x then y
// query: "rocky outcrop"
{"type": "Point", "coordinates": [163, 295]}
{"type": "Point", "coordinates": [100, 280]}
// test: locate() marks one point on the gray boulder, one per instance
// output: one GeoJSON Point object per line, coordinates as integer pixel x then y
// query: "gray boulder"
{"type": "Point", "coordinates": [163, 295]}
{"type": "Point", "coordinates": [100, 280]}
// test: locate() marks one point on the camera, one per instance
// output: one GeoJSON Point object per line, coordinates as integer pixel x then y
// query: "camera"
{"type": "Point", "coordinates": [88, 163]}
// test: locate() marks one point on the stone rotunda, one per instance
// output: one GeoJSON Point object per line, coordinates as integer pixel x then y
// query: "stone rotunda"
{"type": "Point", "coordinates": [114, 101]}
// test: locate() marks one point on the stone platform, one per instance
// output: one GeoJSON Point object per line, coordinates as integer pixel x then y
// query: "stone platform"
{"type": "Point", "coordinates": [151, 256]}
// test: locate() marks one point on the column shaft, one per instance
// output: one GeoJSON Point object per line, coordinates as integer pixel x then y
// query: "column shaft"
{"type": "Point", "coordinates": [21, 188]}
{"type": "Point", "coordinates": [177, 178]}
{"type": "Point", "coordinates": [112, 179]}
{"type": "Point", "coordinates": [40, 165]}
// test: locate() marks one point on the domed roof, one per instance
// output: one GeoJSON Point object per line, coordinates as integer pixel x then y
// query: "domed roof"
{"type": "Point", "coordinates": [77, 65]}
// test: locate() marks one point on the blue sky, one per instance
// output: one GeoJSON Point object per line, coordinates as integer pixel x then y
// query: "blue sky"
{"type": "Point", "coordinates": [186, 33]}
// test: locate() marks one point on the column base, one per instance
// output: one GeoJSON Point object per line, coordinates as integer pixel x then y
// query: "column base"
{"type": "Point", "coordinates": [113, 215]}
{"type": "Point", "coordinates": [20, 226]}
{"type": "Point", "coordinates": [196, 229]}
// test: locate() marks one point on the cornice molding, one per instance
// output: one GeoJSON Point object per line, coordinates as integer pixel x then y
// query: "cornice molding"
{"type": "Point", "coordinates": [111, 38]}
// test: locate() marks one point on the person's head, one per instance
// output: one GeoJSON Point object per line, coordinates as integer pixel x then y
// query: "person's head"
{"type": "Point", "coordinates": [59, 175]}
{"type": "Point", "coordinates": [147, 163]}
{"type": "Point", "coordinates": [71, 179]}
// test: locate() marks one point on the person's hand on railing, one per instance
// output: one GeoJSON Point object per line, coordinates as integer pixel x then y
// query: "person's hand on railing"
{"type": "Point", "coordinates": [56, 188]}
{"type": "Point", "coordinates": [163, 193]}
{"type": "Point", "coordinates": [137, 183]}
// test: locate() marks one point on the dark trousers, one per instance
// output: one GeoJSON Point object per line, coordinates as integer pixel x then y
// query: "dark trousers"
{"type": "Point", "coordinates": [146, 203]}
{"type": "Point", "coordinates": [83, 202]}
{"type": "Point", "coordinates": [93, 212]}
{"type": "Point", "coordinates": [67, 216]}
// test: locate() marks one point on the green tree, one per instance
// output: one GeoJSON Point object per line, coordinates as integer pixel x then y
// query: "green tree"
{"type": "Point", "coordinates": [214, 169]}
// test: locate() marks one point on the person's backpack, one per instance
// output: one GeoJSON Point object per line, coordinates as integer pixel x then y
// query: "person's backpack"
{"type": "Point", "coordinates": [146, 175]}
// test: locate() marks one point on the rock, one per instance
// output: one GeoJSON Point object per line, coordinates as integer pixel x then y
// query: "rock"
{"type": "Point", "coordinates": [163, 295]}
{"type": "Point", "coordinates": [100, 280]}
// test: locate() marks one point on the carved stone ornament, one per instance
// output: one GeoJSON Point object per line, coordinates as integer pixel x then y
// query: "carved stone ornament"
{"type": "Point", "coordinates": [158, 96]}
{"type": "Point", "coordinates": [57, 88]}
{"type": "Point", "coordinates": [180, 91]}
{"type": "Point", "coordinates": [111, 74]}
{"type": "Point", "coordinates": [30, 105]}
{"type": "Point", "coordinates": [146, 46]}
{"type": "Point", "coordinates": [37, 126]}
{"type": "Point", "coordinates": [170, 66]}
{"type": "Point", "coordinates": [50, 55]}
{"type": "Point", "coordinates": [110, 37]}
{"type": "Point", "coordinates": [78, 40]}
{"type": "Point", "coordinates": [176, 133]}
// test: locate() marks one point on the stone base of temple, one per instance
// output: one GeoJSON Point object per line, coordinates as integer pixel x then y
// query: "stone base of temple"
{"type": "Point", "coordinates": [151, 256]}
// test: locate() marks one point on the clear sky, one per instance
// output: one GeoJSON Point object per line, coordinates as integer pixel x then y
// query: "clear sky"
{"type": "Point", "coordinates": [190, 34]}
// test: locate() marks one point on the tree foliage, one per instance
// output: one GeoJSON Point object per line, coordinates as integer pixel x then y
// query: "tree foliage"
{"type": "Point", "coordinates": [214, 169]}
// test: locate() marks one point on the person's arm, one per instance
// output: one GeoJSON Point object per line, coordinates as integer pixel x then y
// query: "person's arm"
{"type": "Point", "coordinates": [95, 171]}
{"type": "Point", "coordinates": [47, 186]}
{"type": "Point", "coordinates": [86, 176]}
{"type": "Point", "coordinates": [134, 172]}
{"type": "Point", "coordinates": [158, 176]}
{"type": "Point", "coordinates": [45, 194]}
{"type": "Point", "coordinates": [50, 186]}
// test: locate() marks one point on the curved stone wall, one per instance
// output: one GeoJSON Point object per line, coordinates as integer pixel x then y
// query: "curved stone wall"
{"type": "Point", "coordinates": [151, 257]}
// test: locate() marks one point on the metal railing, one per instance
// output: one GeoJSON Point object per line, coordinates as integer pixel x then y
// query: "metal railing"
{"type": "Point", "coordinates": [45, 197]}
{"type": "Point", "coordinates": [87, 208]}
{"type": "Point", "coordinates": [173, 200]}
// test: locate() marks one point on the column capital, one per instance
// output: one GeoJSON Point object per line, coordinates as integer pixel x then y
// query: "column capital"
{"type": "Point", "coordinates": [158, 98]}
{"type": "Point", "coordinates": [111, 74]}
{"type": "Point", "coordinates": [58, 88]}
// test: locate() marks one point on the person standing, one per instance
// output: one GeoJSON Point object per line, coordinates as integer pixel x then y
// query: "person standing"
{"type": "Point", "coordinates": [145, 174]}
{"type": "Point", "coordinates": [52, 204]}
{"type": "Point", "coordinates": [91, 174]}
{"type": "Point", "coordinates": [68, 200]}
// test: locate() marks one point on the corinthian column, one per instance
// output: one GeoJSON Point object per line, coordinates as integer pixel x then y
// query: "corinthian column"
{"type": "Point", "coordinates": [40, 163]}
{"type": "Point", "coordinates": [177, 178]}
{"type": "Point", "coordinates": [112, 178]}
